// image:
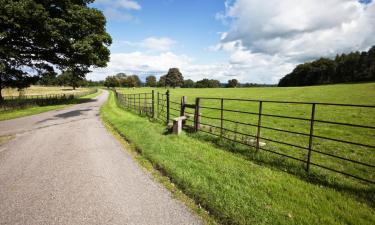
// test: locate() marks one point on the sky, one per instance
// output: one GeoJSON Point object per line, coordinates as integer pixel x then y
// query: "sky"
{"type": "Point", "coordinates": [253, 41]}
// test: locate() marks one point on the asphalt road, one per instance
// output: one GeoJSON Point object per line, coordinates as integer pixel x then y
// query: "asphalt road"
{"type": "Point", "coordinates": [63, 167]}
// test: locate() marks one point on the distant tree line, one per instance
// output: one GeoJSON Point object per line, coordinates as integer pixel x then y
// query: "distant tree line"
{"type": "Point", "coordinates": [172, 79]}
{"type": "Point", "coordinates": [122, 80]}
{"type": "Point", "coordinates": [352, 67]}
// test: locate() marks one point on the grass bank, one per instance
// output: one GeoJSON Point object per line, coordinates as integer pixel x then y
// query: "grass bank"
{"type": "Point", "coordinates": [12, 114]}
{"type": "Point", "coordinates": [235, 190]}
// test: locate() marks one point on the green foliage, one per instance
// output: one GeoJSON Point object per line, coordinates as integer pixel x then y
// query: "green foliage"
{"type": "Point", "coordinates": [353, 67]}
{"type": "Point", "coordinates": [174, 78]}
{"type": "Point", "coordinates": [42, 36]}
{"type": "Point", "coordinates": [189, 83]}
{"type": "Point", "coordinates": [151, 81]}
{"type": "Point", "coordinates": [206, 83]}
{"type": "Point", "coordinates": [122, 80]}
{"type": "Point", "coordinates": [232, 83]}
{"type": "Point", "coordinates": [111, 81]}
{"type": "Point", "coordinates": [162, 81]}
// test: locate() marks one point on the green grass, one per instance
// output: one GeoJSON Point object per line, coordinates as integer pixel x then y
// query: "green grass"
{"type": "Point", "coordinates": [12, 114]}
{"type": "Point", "coordinates": [342, 93]}
{"type": "Point", "coordinates": [233, 189]}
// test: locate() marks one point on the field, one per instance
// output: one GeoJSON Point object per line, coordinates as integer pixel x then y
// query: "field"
{"type": "Point", "coordinates": [41, 90]}
{"type": "Point", "coordinates": [238, 187]}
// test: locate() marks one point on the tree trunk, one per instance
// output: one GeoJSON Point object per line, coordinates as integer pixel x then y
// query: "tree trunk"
{"type": "Point", "coordinates": [1, 96]}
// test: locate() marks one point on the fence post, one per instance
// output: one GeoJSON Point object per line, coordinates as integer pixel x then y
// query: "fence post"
{"type": "Point", "coordinates": [197, 115]}
{"type": "Point", "coordinates": [221, 117]}
{"type": "Point", "coordinates": [139, 104]}
{"type": "Point", "coordinates": [259, 124]}
{"type": "Point", "coordinates": [310, 137]}
{"type": "Point", "coordinates": [167, 95]}
{"type": "Point", "coordinates": [152, 104]}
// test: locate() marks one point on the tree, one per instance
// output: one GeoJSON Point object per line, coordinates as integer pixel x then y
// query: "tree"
{"type": "Point", "coordinates": [206, 83]}
{"type": "Point", "coordinates": [188, 83]}
{"type": "Point", "coordinates": [162, 81]}
{"type": "Point", "coordinates": [232, 83]}
{"type": "Point", "coordinates": [111, 81]}
{"type": "Point", "coordinates": [352, 67]}
{"type": "Point", "coordinates": [174, 78]}
{"type": "Point", "coordinates": [50, 36]}
{"type": "Point", "coordinates": [133, 81]}
{"type": "Point", "coordinates": [67, 78]}
{"type": "Point", "coordinates": [151, 81]}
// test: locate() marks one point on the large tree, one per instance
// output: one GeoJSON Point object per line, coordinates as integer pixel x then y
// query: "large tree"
{"type": "Point", "coordinates": [232, 83]}
{"type": "Point", "coordinates": [174, 78]}
{"type": "Point", "coordinates": [151, 81]}
{"type": "Point", "coordinates": [40, 36]}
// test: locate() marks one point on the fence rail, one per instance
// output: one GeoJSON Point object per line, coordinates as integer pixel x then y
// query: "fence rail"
{"type": "Point", "coordinates": [318, 147]}
{"type": "Point", "coordinates": [17, 102]}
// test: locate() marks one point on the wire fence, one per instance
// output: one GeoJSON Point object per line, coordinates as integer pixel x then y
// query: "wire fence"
{"type": "Point", "coordinates": [335, 138]}
{"type": "Point", "coordinates": [20, 102]}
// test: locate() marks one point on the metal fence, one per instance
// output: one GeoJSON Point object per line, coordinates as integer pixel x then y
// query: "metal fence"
{"type": "Point", "coordinates": [304, 137]}
{"type": "Point", "coordinates": [18, 102]}
{"type": "Point", "coordinates": [142, 103]}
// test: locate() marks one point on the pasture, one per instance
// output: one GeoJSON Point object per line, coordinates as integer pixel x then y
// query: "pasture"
{"type": "Point", "coordinates": [237, 186]}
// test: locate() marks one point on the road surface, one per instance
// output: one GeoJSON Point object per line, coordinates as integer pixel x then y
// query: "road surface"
{"type": "Point", "coordinates": [63, 167]}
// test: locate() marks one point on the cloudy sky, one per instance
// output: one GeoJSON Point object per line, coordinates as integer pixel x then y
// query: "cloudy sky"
{"type": "Point", "coordinates": [251, 40]}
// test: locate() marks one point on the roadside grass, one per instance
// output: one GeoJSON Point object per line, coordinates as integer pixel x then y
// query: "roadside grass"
{"type": "Point", "coordinates": [233, 189]}
{"type": "Point", "coordinates": [12, 114]}
{"type": "Point", "coordinates": [363, 93]}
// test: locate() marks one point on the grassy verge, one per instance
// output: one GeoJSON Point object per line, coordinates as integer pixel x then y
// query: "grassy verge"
{"type": "Point", "coordinates": [235, 190]}
{"type": "Point", "coordinates": [12, 114]}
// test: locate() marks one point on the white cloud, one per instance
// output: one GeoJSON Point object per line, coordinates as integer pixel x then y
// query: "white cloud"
{"type": "Point", "coordinates": [151, 43]}
{"type": "Point", "coordinates": [159, 44]}
{"type": "Point", "coordinates": [117, 9]}
{"type": "Point", "coordinates": [125, 4]}
{"type": "Point", "coordinates": [303, 29]}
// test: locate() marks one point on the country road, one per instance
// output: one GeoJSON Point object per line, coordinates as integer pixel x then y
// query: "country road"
{"type": "Point", "coordinates": [63, 167]}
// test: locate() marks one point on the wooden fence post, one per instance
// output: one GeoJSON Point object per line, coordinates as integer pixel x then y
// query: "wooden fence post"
{"type": "Point", "coordinates": [259, 124]}
{"type": "Point", "coordinates": [197, 115]}
{"type": "Point", "coordinates": [167, 95]}
{"type": "Point", "coordinates": [310, 137]}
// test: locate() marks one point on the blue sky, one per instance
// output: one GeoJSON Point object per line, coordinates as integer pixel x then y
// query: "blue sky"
{"type": "Point", "coordinates": [251, 40]}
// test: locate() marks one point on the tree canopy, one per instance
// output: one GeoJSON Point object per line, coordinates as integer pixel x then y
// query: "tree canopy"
{"type": "Point", "coordinates": [174, 78]}
{"type": "Point", "coordinates": [41, 36]}
{"type": "Point", "coordinates": [352, 67]}
{"type": "Point", "coordinates": [232, 83]}
{"type": "Point", "coordinates": [122, 80]}
{"type": "Point", "coordinates": [151, 81]}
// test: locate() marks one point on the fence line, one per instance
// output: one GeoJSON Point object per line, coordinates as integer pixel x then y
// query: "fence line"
{"type": "Point", "coordinates": [17, 102]}
{"type": "Point", "coordinates": [232, 129]}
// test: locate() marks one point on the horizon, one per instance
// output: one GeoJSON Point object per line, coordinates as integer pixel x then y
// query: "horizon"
{"type": "Point", "coordinates": [248, 40]}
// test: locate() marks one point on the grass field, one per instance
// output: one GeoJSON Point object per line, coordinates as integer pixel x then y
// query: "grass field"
{"type": "Point", "coordinates": [343, 93]}
{"type": "Point", "coordinates": [41, 90]}
{"type": "Point", "coordinates": [12, 114]}
{"type": "Point", "coordinates": [232, 188]}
